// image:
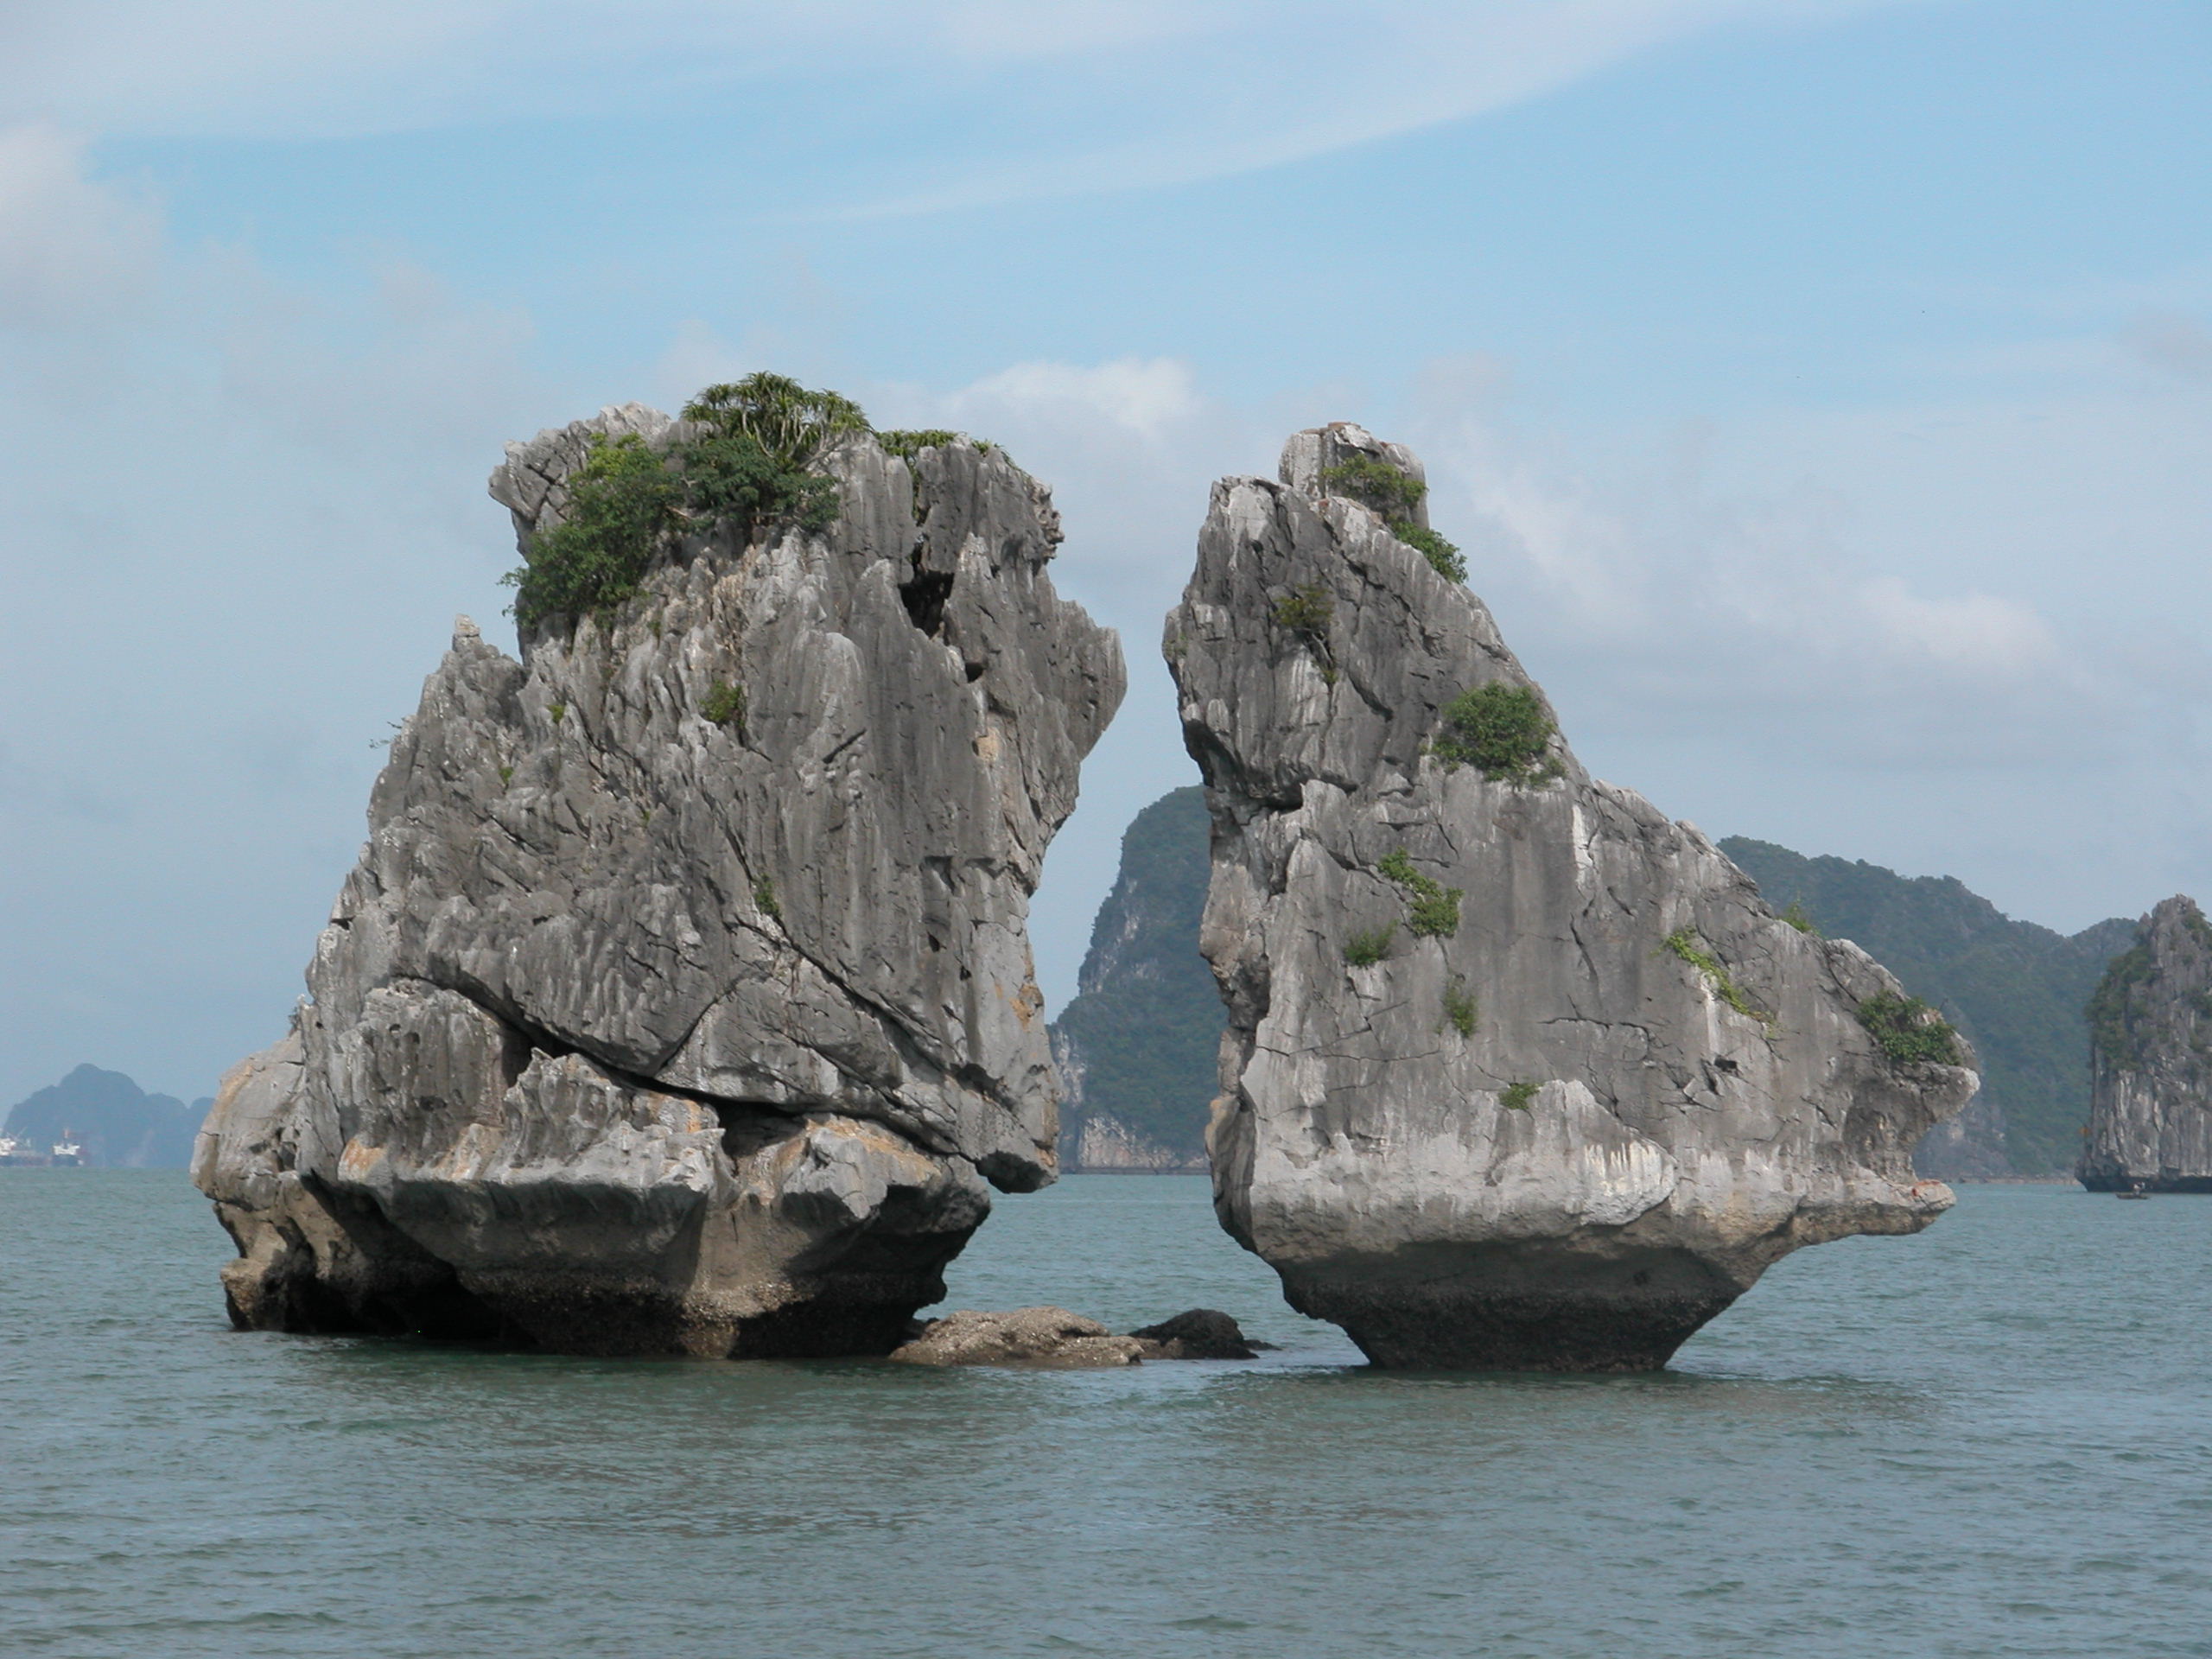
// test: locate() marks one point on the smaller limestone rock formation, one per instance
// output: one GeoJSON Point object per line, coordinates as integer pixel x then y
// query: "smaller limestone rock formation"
{"type": "Point", "coordinates": [2151, 1060]}
{"type": "Point", "coordinates": [1044, 1338]}
{"type": "Point", "coordinates": [1198, 1333]}
{"type": "Point", "coordinates": [1519, 1073]}
{"type": "Point", "coordinates": [681, 1001]}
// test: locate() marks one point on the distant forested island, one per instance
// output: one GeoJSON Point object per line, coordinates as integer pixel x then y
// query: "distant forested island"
{"type": "Point", "coordinates": [115, 1124]}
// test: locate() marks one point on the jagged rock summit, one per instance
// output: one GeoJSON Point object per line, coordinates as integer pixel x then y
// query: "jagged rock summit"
{"type": "Point", "coordinates": [681, 1001]}
{"type": "Point", "coordinates": [2151, 1060]}
{"type": "Point", "coordinates": [1519, 1074]}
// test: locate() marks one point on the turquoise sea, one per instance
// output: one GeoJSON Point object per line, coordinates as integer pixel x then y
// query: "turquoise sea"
{"type": "Point", "coordinates": [1994, 1439]}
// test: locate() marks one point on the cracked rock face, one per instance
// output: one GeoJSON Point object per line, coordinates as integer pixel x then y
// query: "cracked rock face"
{"type": "Point", "coordinates": [2151, 1060]}
{"type": "Point", "coordinates": [1563, 1122]}
{"type": "Point", "coordinates": [635, 1031]}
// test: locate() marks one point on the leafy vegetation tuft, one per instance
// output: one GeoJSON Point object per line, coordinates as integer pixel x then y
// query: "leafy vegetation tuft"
{"type": "Point", "coordinates": [906, 443]}
{"type": "Point", "coordinates": [1365, 950]}
{"type": "Point", "coordinates": [1796, 917]}
{"type": "Point", "coordinates": [1501, 731]}
{"type": "Point", "coordinates": [763, 898]}
{"type": "Point", "coordinates": [621, 500]}
{"type": "Point", "coordinates": [1394, 495]}
{"type": "Point", "coordinates": [1444, 557]}
{"type": "Point", "coordinates": [725, 705]}
{"type": "Point", "coordinates": [1908, 1031]}
{"type": "Point", "coordinates": [744, 464]}
{"type": "Point", "coordinates": [1432, 909]}
{"type": "Point", "coordinates": [1375, 484]}
{"type": "Point", "coordinates": [1517, 1097]}
{"type": "Point", "coordinates": [1307, 612]}
{"type": "Point", "coordinates": [1461, 1011]}
{"type": "Point", "coordinates": [1683, 942]}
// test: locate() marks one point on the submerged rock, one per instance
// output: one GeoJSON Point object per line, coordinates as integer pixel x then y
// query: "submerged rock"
{"type": "Point", "coordinates": [1048, 1337]}
{"type": "Point", "coordinates": [2151, 1060]}
{"type": "Point", "coordinates": [681, 1001]}
{"type": "Point", "coordinates": [1519, 1073]}
{"type": "Point", "coordinates": [1198, 1333]}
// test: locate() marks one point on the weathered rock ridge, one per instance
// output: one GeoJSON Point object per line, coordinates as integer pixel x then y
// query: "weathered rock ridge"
{"type": "Point", "coordinates": [2150, 1059]}
{"type": "Point", "coordinates": [681, 1001]}
{"type": "Point", "coordinates": [1571, 1113]}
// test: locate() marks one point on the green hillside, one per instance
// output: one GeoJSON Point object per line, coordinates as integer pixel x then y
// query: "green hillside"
{"type": "Point", "coordinates": [1147, 1024]}
{"type": "Point", "coordinates": [2019, 991]}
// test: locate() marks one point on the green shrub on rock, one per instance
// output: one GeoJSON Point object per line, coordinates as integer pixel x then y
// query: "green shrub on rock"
{"type": "Point", "coordinates": [724, 705]}
{"type": "Point", "coordinates": [1461, 1011]}
{"type": "Point", "coordinates": [1433, 908]}
{"type": "Point", "coordinates": [1365, 950]}
{"type": "Point", "coordinates": [1909, 1032]}
{"type": "Point", "coordinates": [743, 466]}
{"type": "Point", "coordinates": [908, 444]}
{"type": "Point", "coordinates": [620, 501]}
{"type": "Point", "coordinates": [1501, 731]}
{"type": "Point", "coordinates": [1393, 494]}
{"type": "Point", "coordinates": [1375, 484]}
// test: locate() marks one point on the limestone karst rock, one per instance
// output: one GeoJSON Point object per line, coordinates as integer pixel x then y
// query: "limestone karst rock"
{"type": "Point", "coordinates": [681, 1001]}
{"type": "Point", "coordinates": [2150, 1059]}
{"type": "Point", "coordinates": [1518, 1072]}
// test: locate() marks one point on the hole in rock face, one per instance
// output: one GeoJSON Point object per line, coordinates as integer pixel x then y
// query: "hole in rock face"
{"type": "Point", "coordinates": [749, 1125]}
{"type": "Point", "coordinates": [975, 672]}
{"type": "Point", "coordinates": [925, 596]}
{"type": "Point", "coordinates": [1729, 1066]}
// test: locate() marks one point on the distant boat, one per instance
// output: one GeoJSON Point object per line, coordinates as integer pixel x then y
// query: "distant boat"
{"type": "Point", "coordinates": [68, 1152]}
{"type": "Point", "coordinates": [2135, 1191]}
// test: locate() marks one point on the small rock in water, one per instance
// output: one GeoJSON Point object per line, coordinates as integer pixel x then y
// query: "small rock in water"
{"type": "Point", "coordinates": [1041, 1337]}
{"type": "Point", "coordinates": [1198, 1333]}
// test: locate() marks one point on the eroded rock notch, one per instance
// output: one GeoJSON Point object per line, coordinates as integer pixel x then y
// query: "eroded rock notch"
{"type": "Point", "coordinates": [681, 1001]}
{"type": "Point", "coordinates": [1518, 1073]}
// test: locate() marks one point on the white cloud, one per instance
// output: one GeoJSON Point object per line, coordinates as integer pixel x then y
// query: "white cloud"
{"type": "Point", "coordinates": [1146, 399]}
{"type": "Point", "coordinates": [1077, 96]}
{"type": "Point", "coordinates": [69, 249]}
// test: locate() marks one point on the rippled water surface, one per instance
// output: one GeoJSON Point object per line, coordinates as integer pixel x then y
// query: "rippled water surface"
{"type": "Point", "coordinates": [1995, 1439]}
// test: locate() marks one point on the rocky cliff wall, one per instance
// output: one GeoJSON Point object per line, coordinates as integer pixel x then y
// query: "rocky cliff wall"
{"type": "Point", "coordinates": [1518, 1072]}
{"type": "Point", "coordinates": [681, 1001]}
{"type": "Point", "coordinates": [2150, 1059]}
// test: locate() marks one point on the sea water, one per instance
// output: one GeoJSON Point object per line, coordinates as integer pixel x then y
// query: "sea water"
{"type": "Point", "coordinates": [1992, 1439]}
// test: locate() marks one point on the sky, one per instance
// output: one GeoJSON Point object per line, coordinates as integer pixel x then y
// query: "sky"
{"type": "Point", "coordinates": [1821, 391]}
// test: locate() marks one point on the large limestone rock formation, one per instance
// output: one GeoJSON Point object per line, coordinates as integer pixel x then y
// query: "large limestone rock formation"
{"type": "Point", "coordinates": [1605, 1089]}
{"type": "Point", "coordinates": [2150, 1059]}
{"type": "Point", "coordinates": [650, 1022]}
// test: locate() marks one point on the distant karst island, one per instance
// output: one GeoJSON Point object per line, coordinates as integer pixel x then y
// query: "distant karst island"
{"type": "Point", "coordinates": [681, 1001]}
